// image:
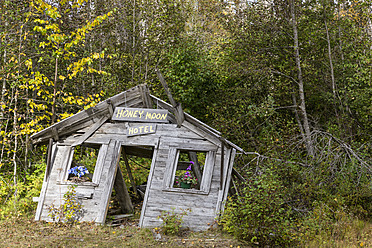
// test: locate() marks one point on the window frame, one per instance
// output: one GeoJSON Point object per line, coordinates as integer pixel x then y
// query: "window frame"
{"type": "Point", "coordinates": [171, 167]}
{"type": "Point", "coordinates": [102, 150]}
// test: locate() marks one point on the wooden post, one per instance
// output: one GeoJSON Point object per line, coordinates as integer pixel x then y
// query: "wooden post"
{"type": "Point", "coordinates": [49, 158]}
{"type": "Point", "coordinates": [222, 162]}
{"type": "Point", "coordinates": [122, 192]}
{"type": "Point", "coordinates": [196, 167]}
{"type": "Point", "coordinates": [178, 112]}
{"type": "Point", "coordinates": [129, 171]}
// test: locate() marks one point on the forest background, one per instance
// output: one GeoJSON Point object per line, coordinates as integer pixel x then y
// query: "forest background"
{"type": "Point", "coordinates": [288, 81]}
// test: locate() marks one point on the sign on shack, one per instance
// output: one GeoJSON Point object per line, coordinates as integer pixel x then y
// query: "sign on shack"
{"type": "Point", "coordinates": [137, 123]}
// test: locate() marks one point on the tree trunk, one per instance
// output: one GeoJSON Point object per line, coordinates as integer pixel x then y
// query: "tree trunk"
{"type": "Point", "coordinates": [330, 62]}
{"type": "Point", "coordinates": [302, 106]}
{"type": "Point", "coordinates": [55, 92]}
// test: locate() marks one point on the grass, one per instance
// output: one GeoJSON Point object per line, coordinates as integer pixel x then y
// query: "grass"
{"type": "Point", "coordinates": [24, 232]}
{"type": "Point", "coordinates": [355, 235]}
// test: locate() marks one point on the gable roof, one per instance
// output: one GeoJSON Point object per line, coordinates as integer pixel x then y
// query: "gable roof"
{"type": "Point", "coordinates": [136, 97]}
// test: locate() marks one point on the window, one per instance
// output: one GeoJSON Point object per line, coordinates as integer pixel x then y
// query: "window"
{"type": "Point", "coordinates": [84, 165]}
{"type": "Point", "coordinates": [189, 171]}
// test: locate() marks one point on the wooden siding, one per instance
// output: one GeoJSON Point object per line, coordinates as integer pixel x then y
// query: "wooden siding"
{"type": "Point", "coordinates": [95, 197]}
{"type": "Point", "coordinates": [94, 128]}
{"type": "Point", "coordinates": [203, 206]}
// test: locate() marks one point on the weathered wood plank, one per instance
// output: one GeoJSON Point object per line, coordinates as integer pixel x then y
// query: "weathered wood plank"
{"type": "Point", "coordinates": [145, 95]}
{"type": "Point", "coordinates": [140, 115]}
{"type": "Point", "coordinates": [41, 199]}
{"type": "Point", "coordinates": [139, 151]}
{"type": "Point", "coordinates": [91, 130]}
{"type": "Point", "coordinates": [187, 144]}
{"type": "Point", "coordinates": [195, 223]}
{"type": "Point", "coordinates": [208, 171]}
{"type": "Point", "coordinates": [228, 180]}
{"type": "Point", "coordinates": [111, 163]}
{"type": "Point", "coordinates": [169, 171]}
{"type": "Point", "coordinates": [145, 140]}
{"type": "Point", "coordinates": [188, 200]}
{"type": "Point", "coordinates": [156, 209]}
{"type": "Point", "coordinates": [122, 194]}
{"type": "Point", "coordinates": [161, 130]}
{"type": "Point", "coordinates": [149, 182]}
{"type": "Point", "coordinates": [202, 133]}
{"type": "Point", "coordinates": [99, 163]}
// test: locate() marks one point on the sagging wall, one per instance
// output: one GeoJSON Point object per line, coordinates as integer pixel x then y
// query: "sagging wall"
{"type": "Point", "coordinates": [94, 196]}
{"type": "Point", "coordinates": [205, 203]}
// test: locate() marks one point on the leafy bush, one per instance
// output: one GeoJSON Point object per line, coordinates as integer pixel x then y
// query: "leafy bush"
{"type": "Point", "coordinates": [172, 221]}
{"type": "Point", "coordinates": [16, 200]}
{"type": "Point", "coordinates": [70, 211]}
{"type": "Point", "coordinates": [259, 214]}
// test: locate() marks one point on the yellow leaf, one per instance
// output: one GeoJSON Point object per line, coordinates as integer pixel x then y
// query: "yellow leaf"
{"type": "Point", "coordinates": [62, 77]}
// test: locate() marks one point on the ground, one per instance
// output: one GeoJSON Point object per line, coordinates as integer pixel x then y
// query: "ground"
{"type": "Point", "coordinates": [24, 232]}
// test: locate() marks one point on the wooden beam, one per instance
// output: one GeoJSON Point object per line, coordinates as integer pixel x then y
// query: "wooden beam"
{"type": "Point", "coordinates": [122, 194]}
{"type": "Point", "coordinates": [55, 133]}
{"type": "Point", "coordinates": [178, 112]}
{"type": "Point", "coordinates": [49, 158]}
{"type": "Point", "coordinates": [180, 116]}
{"type": "Point", "coordinates": [196, 167]}
{"type": "Point", "coordinates": [40, 205]}
{"type": "Point", "coordinates": [130, 175]}
{"type": "Point", "coordinates": [139, 151]}
{"type": "Point", "coordinates": [222, 164]}
{"type": "Point", "coordinates": [165, 85]}
{"type": "Point", "coordinates": [91, 130]}
{"type": "Point", "coordinates": [145, 95]}
{"type": "Point", "coordinates": [240, 177]}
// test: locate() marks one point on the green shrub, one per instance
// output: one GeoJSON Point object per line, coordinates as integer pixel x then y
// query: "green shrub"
{"type": "Point", "coordinates": [71, 211]}
{"type": "Point", "coordinates": [17, 200]}
{"type": "Point", "coordinates": [172, 221]}
{"type": "Point", "coordinates": [259, 215]}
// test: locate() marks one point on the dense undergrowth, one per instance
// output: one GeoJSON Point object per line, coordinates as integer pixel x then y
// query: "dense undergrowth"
{"type": "Point", "coordinates": [320, 200]}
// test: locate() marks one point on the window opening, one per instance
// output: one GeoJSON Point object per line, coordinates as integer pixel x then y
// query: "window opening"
{"type": "Point", "coordinates": [189, 170]}
{"type": "Point", "coordinates": [83, 164]}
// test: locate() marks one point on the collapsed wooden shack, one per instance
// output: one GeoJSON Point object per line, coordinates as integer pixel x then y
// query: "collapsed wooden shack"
{"type": "Point", "coordinates": [135, 122]}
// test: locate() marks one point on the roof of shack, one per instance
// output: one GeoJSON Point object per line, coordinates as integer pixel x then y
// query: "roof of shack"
{"type": "Point", "coordinates": [136, 97]}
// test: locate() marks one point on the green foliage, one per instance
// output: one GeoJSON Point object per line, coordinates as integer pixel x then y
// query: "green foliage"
{"type": "Point", "coordinates": [172, 221]}
{"type": "Point", "coordinates": [260, 214]}
{"type": "Point", "coordinates": [191, 76]}
{"type": "Point", "coordinates": [326, 220]}
{"type": "Point", "coordinates": [71, 211]}
{"type": "Point", "coordinates": [140, 168]}
{"type": "Point", "coordinates": [17, 200]}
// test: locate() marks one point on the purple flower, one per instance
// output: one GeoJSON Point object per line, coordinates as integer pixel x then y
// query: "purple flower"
{"type": "Point", "coordinates": [189, 168]}
{"type": "Point", "coordinates": [191, 162]}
